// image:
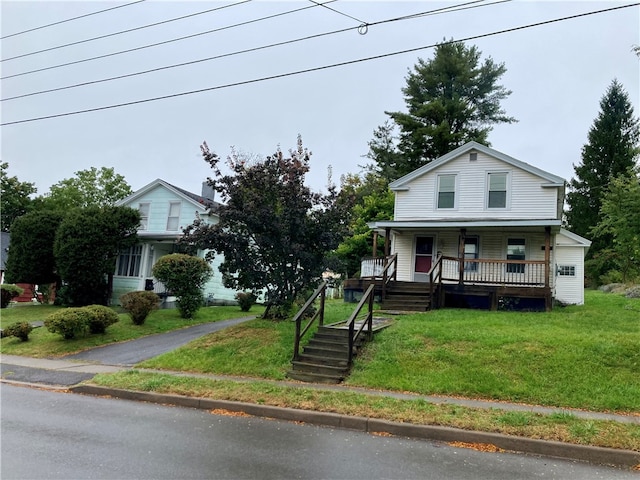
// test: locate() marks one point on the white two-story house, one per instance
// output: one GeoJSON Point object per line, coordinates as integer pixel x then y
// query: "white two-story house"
{"type": "Point", "coordinates": [165, 210]}
{"type": "Point", "coordinates": [479, 228]}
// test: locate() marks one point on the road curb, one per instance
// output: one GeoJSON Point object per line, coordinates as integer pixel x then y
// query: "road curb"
{"type": "Point", "coordinates": [597, 455]}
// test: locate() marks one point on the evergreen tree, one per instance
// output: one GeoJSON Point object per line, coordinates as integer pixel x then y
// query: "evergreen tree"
{"type": "Point", "coordinates": [86, 247]}
{"type": "Point", "coordinates": [30, 258]}
{"type": "Point", "coordinates": [451, 99]}
{"type": "Point", "coordinates": [611, 151]}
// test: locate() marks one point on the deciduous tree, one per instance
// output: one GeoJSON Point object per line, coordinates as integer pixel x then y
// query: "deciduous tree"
{"type": "Point", "coordinates": [15, 197]}
{"type": "Point", "coordinates": [89, 188]}
{"type": "Point", "coordinates": [274, 232]}
{"type": "Point", "coordinates": [620, 221]}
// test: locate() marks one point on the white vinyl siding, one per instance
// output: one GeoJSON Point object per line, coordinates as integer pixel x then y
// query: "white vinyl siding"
{"type": "Point", "coordinates": [527, 198]}
{"type": "Point", "coordinates": [569, 289]}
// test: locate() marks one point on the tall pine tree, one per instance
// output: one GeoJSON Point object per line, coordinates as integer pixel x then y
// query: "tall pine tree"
{"type": "Point", "coordinates": [451, 99]}
{"type": "Point", "coordinates": [611, 151]}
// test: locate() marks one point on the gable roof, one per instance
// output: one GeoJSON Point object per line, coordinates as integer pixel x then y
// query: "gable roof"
{"type": "Point", "coordinates": [402, 182]}
{"type": "Point", "coordinates": [201, 202]}
{"type": "Point", "coordinates": [579, 241]}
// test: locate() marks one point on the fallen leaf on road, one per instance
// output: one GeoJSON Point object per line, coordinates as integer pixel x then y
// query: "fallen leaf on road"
{"type": "Point", "coordinates": [480, 447]}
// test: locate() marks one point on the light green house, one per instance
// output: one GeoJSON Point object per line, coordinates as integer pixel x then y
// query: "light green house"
{"type": "Point", "coordinates": [165, 210]}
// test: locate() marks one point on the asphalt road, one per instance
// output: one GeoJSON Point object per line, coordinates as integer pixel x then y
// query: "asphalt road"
{"type": "Point", "coordinates": [135, 351]}
{"type": "Point", "coordinates": [53, 435]}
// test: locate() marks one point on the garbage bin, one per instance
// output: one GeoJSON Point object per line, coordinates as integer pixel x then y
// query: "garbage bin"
{"type": "Point", "coordinates": [148, 284]}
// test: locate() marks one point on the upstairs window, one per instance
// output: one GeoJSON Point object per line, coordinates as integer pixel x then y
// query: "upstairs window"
{"type": "Point", "coordinates": [446, 191]}
{"type": "Point", "coordinates": [143, 208]}
{"type": "Point", "coordinates": [515, 251]}
{"type": "Point", "coordinates": [497, 183]}
{"type": "Point", "coordinates": [173, 221]}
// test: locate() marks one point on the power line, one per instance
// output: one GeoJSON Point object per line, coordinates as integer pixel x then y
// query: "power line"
{"type": "Point", "coordinates": [339, 12]}
{"type": "Point", "coordinates": [161, 43]}
{"type": "Point", "coordinates": [315, 69]}
{"type": "Point", "coordinates": [216, 57]}
{"type": "Point", "coordinates": [86, 40]}
{"type": "Point", "coordinates": [70, 19]}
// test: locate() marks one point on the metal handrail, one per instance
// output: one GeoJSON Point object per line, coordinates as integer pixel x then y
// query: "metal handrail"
{"type": "Point", "coordinates": [320, 292]}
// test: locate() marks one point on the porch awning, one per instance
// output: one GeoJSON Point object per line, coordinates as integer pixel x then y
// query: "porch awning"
{"type": "Point", "coordinates": [401, 225]}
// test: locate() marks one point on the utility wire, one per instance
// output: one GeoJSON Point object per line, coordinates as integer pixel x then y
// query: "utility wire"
{"type": "Point", "coordinates": [86, 40]}
{"type": "Point", "coordinates": [323, 67]}
{"type": "Point", "coordinates": [161, 43]}
{"type": "Point", "coordinates": [462, 6]}
{"type": "Point", "coordinates": [69, 19]}
{"type": "Point", "coordinates": [339, 12]}
{"type": "Point", "coordinates": [286, 42]}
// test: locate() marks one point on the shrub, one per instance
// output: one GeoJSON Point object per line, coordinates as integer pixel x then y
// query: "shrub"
{"type": "Point", "coordinates": [185, 276]}
{"type": "Point", "coordinates": [245, 300]}
{"type": "Point", "coordinates": [101, 318]}
{"type": "Point", "coordinates": [69, 323]}
{"type": "Point", "coordinates": [7, 293]}
{"type": "Point", "coordinates": [189, 303]}
{"type": "Point", "coordinates": [20, 330]}
{"type": "Point", "coordinates": [139, 305]}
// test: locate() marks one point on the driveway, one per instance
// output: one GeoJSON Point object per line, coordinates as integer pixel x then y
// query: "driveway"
{"type": "Point", "coordinates": [135, 351]}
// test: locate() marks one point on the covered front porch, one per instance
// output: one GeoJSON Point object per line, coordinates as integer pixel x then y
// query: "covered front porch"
{"type": "Point", "coordinates": [466, 264]}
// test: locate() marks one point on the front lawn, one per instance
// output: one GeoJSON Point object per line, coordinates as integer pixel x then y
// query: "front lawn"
{"type": "Point", "coordinates": [579, 356]}
{"type": "Point", "coordinates": [42, 343]}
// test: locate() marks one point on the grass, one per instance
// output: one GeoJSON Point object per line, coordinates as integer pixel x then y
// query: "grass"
{"type": "Point", "coordinates": [562, 427]}
{"type": "Point", "coordinates": [261, 348]}
{"type": "Point", "coordinates": [43, 344]}
{"type": "Point", "coordinates": [583, 357]}
{"type": "Point", "coordinates": [576, 357]}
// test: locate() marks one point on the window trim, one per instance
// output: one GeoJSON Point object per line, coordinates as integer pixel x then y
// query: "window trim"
{"type": "Point", "coordinates": [455, 191]}
{"type": "Point", "coordinates": [511, 268]}
{"type": "Point", "coordinates": [130, 262]}
{"type": "Point", "coordinates": [177, 217]}
{"type": "Point", "coordinates": [507, 196]}
{"type": "Point", "coordinates": [144, 219]}
{"type": "Point", "coordinates": [572, 269]}
{"type": "Point", "coordinates": [473, 266]}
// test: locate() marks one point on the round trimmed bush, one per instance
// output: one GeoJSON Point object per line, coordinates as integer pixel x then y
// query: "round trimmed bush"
{"type": "Point", "coordinates": [70, 322]}
{"type": "Point", "coordinates": [20, 330]}
{"type": "Point", "coordinates": [139, 305]}
{"type": "Point", "coordinates": [101, 318]}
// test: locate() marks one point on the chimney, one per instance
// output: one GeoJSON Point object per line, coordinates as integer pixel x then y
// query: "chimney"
{"type": "Point", "coordinates": [208, 191]}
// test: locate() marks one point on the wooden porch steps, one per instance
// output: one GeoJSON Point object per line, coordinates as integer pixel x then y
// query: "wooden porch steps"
{"type": "Point", "coordinates": [410, 296]}
{"type": "Point", "coordinates": [325, 359]}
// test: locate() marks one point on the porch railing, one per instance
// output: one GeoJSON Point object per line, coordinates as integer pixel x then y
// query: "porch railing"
{"type": "Point", "coordinates": [530, 273]}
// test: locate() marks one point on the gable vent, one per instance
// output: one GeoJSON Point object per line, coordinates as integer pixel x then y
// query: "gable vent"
{"type": "Point", "coordinates": [473, 156]}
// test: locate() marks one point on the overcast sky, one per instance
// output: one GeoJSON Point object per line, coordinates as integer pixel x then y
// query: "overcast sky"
{"type": "Point", "coordinates": [557, 72]}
